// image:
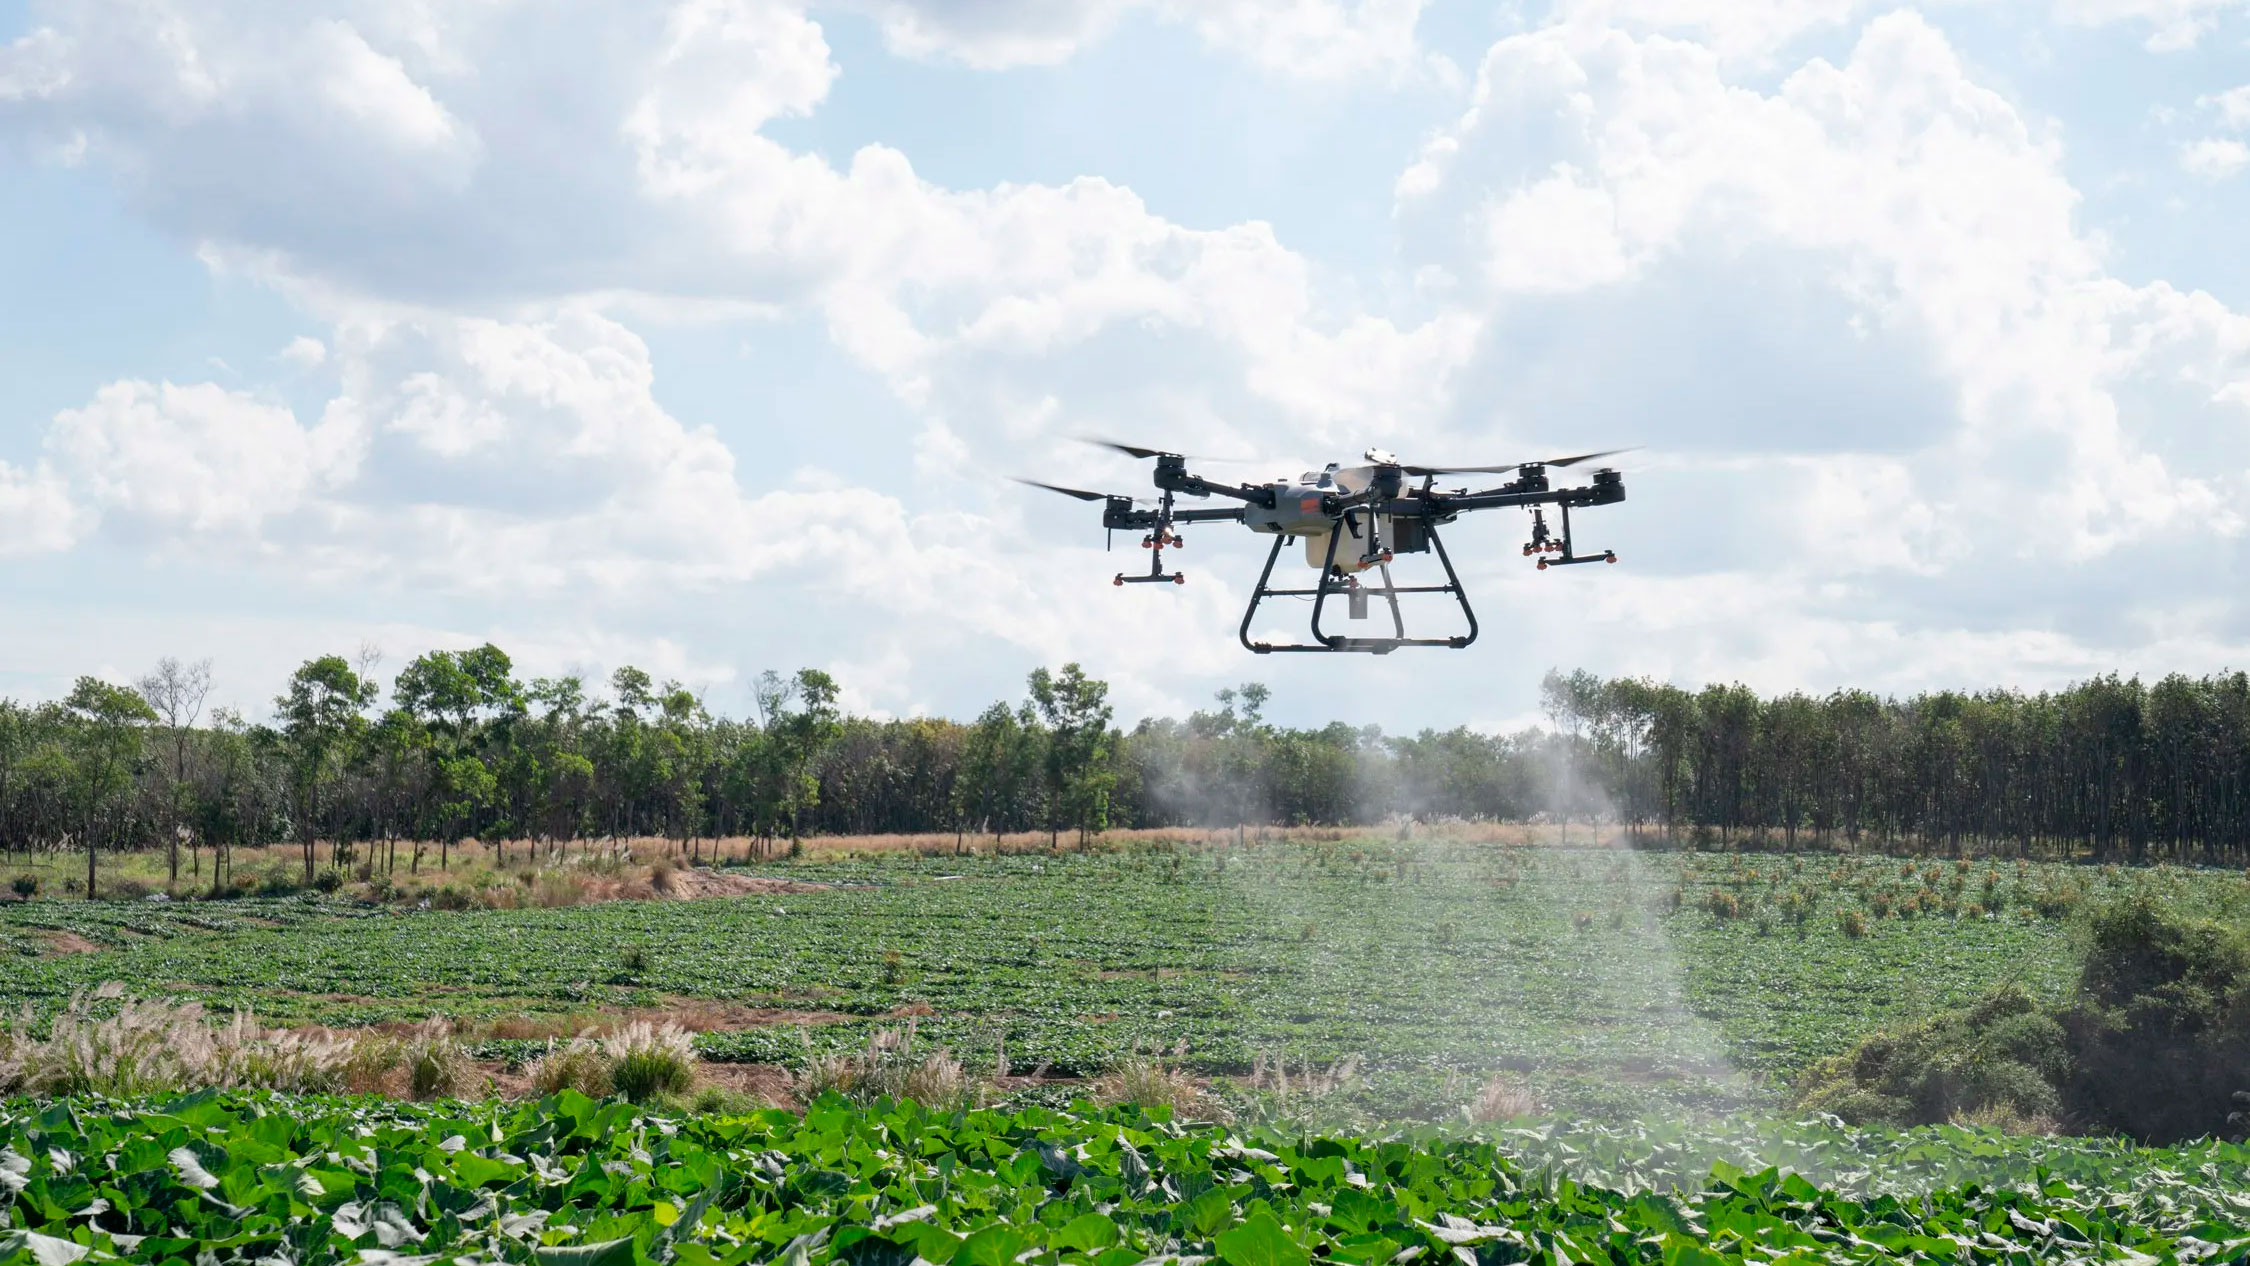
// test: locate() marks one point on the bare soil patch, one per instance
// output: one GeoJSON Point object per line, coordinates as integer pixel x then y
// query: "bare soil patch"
{"type": "Point", "coordinates": [61, 943]}
{"type": "Point", "coordinates": [694, 883]}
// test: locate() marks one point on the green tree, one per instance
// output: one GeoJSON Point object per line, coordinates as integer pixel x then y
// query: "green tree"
{"type": "Point", "coordinates": [106, 735]}
{"type": "Point", "coordinates": [805, 732]}
{"type": "Point", "coordinates": [1076, 711]}
{"type": "Point", "coordinates": [321, 716]}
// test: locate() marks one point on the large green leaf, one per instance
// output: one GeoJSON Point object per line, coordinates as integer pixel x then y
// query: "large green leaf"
{"type": "Point", "coordinates": [1260, 1241]}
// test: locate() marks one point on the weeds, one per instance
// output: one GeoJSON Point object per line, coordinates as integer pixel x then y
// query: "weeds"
{"type": "Point", "coordinates": [578, 1065]}
{"type": "Point", "coordinates": [650, 1060]}
{"type": "Point", "coordinates": [888, 1069]}
{"type": "Point", "coordinates": [159, 1047]}
{"type": "Point", "coordinates": [436, 1066]}
{"type": "Point", "coordinates": [1147, 1083]}
{"type": "Point", "coordinates": [1502, 1098]}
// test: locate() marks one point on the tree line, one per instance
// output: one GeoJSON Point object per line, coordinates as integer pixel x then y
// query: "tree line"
{"type": "Point", "coordinates": [459, 747]}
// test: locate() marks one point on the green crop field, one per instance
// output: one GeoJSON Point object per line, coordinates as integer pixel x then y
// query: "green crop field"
{"type": "Point", "coordinates": [1614, 982]}
{"type": "Point", "coordinates": [568, 1180]}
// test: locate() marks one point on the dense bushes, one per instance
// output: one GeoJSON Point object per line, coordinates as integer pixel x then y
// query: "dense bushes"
{"type": "Point", "coordinates": [2005, 1055]}
{"type": "Point", "coordinates": [2154, 1043]}
{"type": "Point", "coordinates": [2161, 1027]}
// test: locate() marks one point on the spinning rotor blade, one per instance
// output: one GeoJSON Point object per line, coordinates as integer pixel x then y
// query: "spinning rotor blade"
{"type": "Point", "coordinates": [1079, 493]}
{"type": "Point", "coordinates": [1502, 470]}
{"type": "Point", "coordinates": [1136, 450]}
{"type": "Point", "coordinates": [1130, 450]}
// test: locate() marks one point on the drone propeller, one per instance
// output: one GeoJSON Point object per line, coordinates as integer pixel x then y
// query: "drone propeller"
{"type": "Point", "coordinates": [1079, 493]}
{"type": "Point", "coordinates": [1130, 450]}
{"type": "Point", "coordinates": [1136, 450]}
{"type": "Point", "coordinates": [1502, 470]}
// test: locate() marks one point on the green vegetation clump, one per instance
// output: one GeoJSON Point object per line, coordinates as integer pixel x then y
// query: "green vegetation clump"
{"type": "Point", "coordinates": [2154, 1043]}
{"type": "Point", "coordinates": [2161, 1025]}
{"type": "Point", "coordinates": [2004, 1053]}
{"type": "Point", "coordinates": [648, 1061]}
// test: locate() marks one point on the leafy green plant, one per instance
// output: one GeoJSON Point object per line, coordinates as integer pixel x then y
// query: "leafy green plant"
{"type": "Point", "coordinates": [569, 1179]}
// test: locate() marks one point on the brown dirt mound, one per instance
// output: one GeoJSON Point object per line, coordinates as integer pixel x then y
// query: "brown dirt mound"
{"type": "Point", "coordinates": [61, 943]}
{"type": "Point", "coordinates": [693, 883]}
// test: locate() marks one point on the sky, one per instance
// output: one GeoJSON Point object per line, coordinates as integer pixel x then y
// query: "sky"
{"type": "Point", "coordinates": [705, 336]}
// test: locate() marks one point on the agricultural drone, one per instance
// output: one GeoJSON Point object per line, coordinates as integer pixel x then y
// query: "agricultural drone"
{"type": "Point", "coordinates": [1352, 520]}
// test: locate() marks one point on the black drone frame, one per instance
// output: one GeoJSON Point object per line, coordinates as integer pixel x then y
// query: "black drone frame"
{"type": "Point", "coordinates": [1421, 510]}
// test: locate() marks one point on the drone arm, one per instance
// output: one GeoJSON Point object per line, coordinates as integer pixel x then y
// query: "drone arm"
{"type": "Point", "coordinates": [1232, 515]}
{"type": "Point", "coordinates": [1607, 489]}
{"type": "Point", "coordinates": [1127, 519]}
{"type": "Point", "coordinates": [1172, 476]}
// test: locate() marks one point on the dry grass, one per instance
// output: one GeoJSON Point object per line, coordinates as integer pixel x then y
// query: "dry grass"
{"type": "Point", "coordinates": [1503, 1098]}
{"type": "Point", "coordinates": [159, 1047]}
{"type": "Point", "coordinates": [1152, 1083]}
{"type": "Point", "coordinates": [888, 1069]}
{"type": "Point", "coordinates": [579, 1065]}
{"type": "Point", "coordinates": [1271, 1073]}
{"type": "Point", "coordinates": [437, 1067]}
{"type": "Point", "coordinates": [2003, 1118]}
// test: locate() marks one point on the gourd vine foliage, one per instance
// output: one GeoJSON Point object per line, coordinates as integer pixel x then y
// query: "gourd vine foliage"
{"type": "Point", "coordinates": [571, 1180]}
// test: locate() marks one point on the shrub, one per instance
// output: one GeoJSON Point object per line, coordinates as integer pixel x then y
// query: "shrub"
{"type": "Point", "coordinates": [25, 886]}
{"type": "Point", "coordinates": [329, 880]}
{"type": "Point", "coordinates": [278, 881]}
{"type": "Point", "coordinates": [2155, 1044]}
{"type": "Point", "coordinates": [632, 960]}
{"type": "Point", "coordinates": [1852, 923]}
{"type": "Point", "coordinates": [647, 1060]}
{"type": "Point", "coordinates": [1723, 904]}
{"type": "Point", "coordinates": [2003, 1053]}
{"type": "Point", "coordinates": [2162, 1022]}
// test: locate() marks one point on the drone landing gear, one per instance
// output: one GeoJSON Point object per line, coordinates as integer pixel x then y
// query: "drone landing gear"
{"type": "Point", "coordinates": [1356, 595]}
